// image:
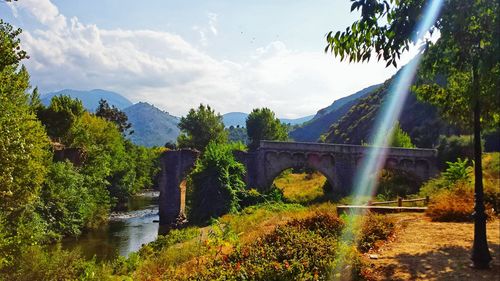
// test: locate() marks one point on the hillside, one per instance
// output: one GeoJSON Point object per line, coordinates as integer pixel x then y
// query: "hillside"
{"type": "Point", "coordinates": [239, 118]}
{"type": "Point", "coordinates": [91, 98]}
{"type": "Point", "coordinates": [420, 120]}
{"type": "Point", "coordinates": [312, 130]}
{"type": "Point", "coordinates": [152, 126]}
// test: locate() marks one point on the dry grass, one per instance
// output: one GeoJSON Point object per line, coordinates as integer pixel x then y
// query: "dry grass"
{"type": "Point", "coordinates": [425, 250]}
{"type": "Point", "coordinates": [301, 187]}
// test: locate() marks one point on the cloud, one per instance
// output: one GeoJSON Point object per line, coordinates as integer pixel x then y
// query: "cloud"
{"type": "Point", "coordinates": [170, 72]}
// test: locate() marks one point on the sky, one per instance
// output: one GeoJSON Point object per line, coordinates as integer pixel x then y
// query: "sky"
{"type": "Point", "coordinates": [232, 55]}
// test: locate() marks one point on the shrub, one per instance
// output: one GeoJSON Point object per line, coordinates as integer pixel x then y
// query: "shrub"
{"type": "Point", "coordinates": [38, 263]}
{"type": "Point", "coordinates": [375, 228]}
{"type": "Point", "coordinates": [214, 183]}
{"type": "Point", "coordinates": [452, 205]}
{"type": "Point", "coordinates": [458, 171]}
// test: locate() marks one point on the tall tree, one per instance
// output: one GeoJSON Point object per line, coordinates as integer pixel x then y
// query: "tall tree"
{"type": "Point", "coordinates": [24, 145]}
{"type": "Point", "coordinates": [201, 126]}
{"type": "Point", "coordinates": [467, 55]}
{"type": "Point", "coordinates": [262, 124]}
{"type": "Point", "coordinates": [113, 114]}
{"type": "Point", "coordinates": [60, 116]}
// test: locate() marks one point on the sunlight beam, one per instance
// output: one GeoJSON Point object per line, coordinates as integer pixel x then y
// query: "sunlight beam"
{"type": "Point", "coordinates": [365, 180]}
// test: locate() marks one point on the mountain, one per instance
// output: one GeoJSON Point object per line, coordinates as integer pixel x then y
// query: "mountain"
{"type": "Point", "coordinates": [297, 121]}
{"type": "Point", "coordinates": [321, 122]}
{"type": "Point", "coordinates": [239, 118]}
{"type": "Point", "coordinates": [234, 119]}
{"type": "Point", "coordinates": [152, 126]}
{"type": "Point", "coordinates": [91, 98]}
{"type": "Point", "coordinates": [420, 120]}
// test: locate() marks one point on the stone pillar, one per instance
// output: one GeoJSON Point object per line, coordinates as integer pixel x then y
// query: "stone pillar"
{"type": "Point", "coordinates": [175, 165]}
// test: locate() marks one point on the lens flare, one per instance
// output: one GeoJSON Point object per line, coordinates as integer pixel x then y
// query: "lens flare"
{"type": "Point", "coordinates": [365, 181]}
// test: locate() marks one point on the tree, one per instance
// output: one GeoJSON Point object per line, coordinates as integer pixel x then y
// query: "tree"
{"type": "Point", "coordinates": [263, 125]}
{"type": "Point", "coordinates": [214, 183]}
{"type": "Point", "coordinates": [400, 138]}
{"type": "Point", "coordinates": [467, 55]}
{"type": "Point", "coordinates": [199, 127]}
{"type": "Point", "coordinates": [60, 116]}
{"type": "Point", "coordinates": [24, 151]}
{"type": "Point", "coordinates": [113, 114]}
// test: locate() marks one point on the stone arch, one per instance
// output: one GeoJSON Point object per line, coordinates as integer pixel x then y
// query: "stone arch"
{"type": "Point", "coordinates": [175, 166]}
{"type": "Point", "coordinates": [324, 164]}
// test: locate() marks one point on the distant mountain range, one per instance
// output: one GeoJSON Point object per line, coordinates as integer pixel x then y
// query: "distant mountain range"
{"type": "Point", "coordinates": [239, 118]}
{"type": "Point", "coordinates": [346, 120]}
{"type": "Point", "coordinates": [90, 99]}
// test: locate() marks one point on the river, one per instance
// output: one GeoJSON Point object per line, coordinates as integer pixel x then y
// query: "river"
{"type": "Point", "coordinates": [125, 232]}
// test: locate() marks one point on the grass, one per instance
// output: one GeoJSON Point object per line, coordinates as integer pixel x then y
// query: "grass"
{"type": "Point", "coordinates": [301, 187]}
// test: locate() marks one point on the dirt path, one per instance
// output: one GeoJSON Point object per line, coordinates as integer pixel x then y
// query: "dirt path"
{"type": "Point", "coordinates": [424, 250]}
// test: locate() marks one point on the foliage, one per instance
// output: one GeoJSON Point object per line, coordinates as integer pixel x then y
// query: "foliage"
{"type": "Point", "coordinates": [454, 147]}
{"type": "Point", "coordinates": [201, 126]}
{"type": "Point", "coordinates": [423, 125]}
{"type": "Point", "coordinates": [60, 116]}
{"type": "Point", "coordinates": [38, 263]}
{"type": "Point", "coordinates": [400, 138]}
{"type": "Point", "coordinates": [10, 49]}
{"type": "Point", "coordinates": [113, 114]}
{"type": "Point", "coordinates": [452, 195]}
{"type": "Point", "coordinates": [302, 249]}
{"type": "Point", "coordinates": [261, 124]}
{"type": "Point", "coordinates": [24, 152]}
{"type": "Point", "coordinates": [63, 201]}
{"type": "Point", "coordinates": [237, 134]}
{"type": "Point", "coordinates": [457, 171]}
{"type": "Point", "coordinates": [455, 204]}
{"type": "Point", "coordinates": [393, 183]}
{"type": "Point", "coordinates": [375, 228]}
{"type": "Point", "coordinates": [214, 183]}
{"type": "Point", "coordinates": [173, 237]}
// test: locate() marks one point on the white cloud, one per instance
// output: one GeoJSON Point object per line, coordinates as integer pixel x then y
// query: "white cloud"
{"type": "Point", "coordinates": [166, 70]}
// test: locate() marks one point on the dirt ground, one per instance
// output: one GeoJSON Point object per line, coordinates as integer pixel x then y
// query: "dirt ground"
{"type": "Point", "coordinates": [425, 250]}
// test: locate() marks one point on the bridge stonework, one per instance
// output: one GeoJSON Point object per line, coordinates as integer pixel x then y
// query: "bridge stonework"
{"type": "Point", "coordinates": [337, 162]}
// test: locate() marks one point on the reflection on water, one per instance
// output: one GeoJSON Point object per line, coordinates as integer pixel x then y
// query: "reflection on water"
{"type": "Point", "coordinates": [126, 231]}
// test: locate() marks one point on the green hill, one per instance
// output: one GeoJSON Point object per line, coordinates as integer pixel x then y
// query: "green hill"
{"type": "Point", "coordinates": [152, 126]}
{"type": "Point", "coordinates": [420, 120]}
{"type": "Point", "coordinates": [312, 130]}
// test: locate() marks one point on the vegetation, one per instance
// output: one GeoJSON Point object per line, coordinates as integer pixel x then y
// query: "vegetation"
{"type": "Point", "coordinates": [301, 187]}
{"type": "Point", "coordinates": [113, 114]}
{"type": "Point", "coordinates": [452, 194]}
{"type": "Point", "coordinates": [200, 127]}
{"type": "Point", "coordinates": [263, 125]}
{"type": "Point", "coordinates": [214, 183]}
{"type": "Point", "coordinates": [49, 191]}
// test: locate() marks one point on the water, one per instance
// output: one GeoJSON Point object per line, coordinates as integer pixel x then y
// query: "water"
{"type": "Point", "coordinates": [126, 231]}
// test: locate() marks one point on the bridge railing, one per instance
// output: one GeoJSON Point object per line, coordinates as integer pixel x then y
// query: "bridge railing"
{"type": "Point", "coordinates": [344, 148]}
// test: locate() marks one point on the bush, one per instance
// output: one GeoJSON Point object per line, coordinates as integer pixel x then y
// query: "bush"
{"type": "Point", "coordinates": [38, 263]}
{"type": "Point", "coordinates": [214, 183]}
{"type": "Point", "coordinates": [300, 250]}
{"type": "Point", "coordinates": [375, 228]}
{"type": "Point", "coordinates": [455, 204]}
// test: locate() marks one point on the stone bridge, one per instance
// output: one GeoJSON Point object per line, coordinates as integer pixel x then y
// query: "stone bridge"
{"type": "Point", "coordinates": [337, 162]}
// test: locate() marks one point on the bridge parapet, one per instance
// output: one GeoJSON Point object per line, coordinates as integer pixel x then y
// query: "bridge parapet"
{"type": "Point", "coordinates": [346, 148]}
